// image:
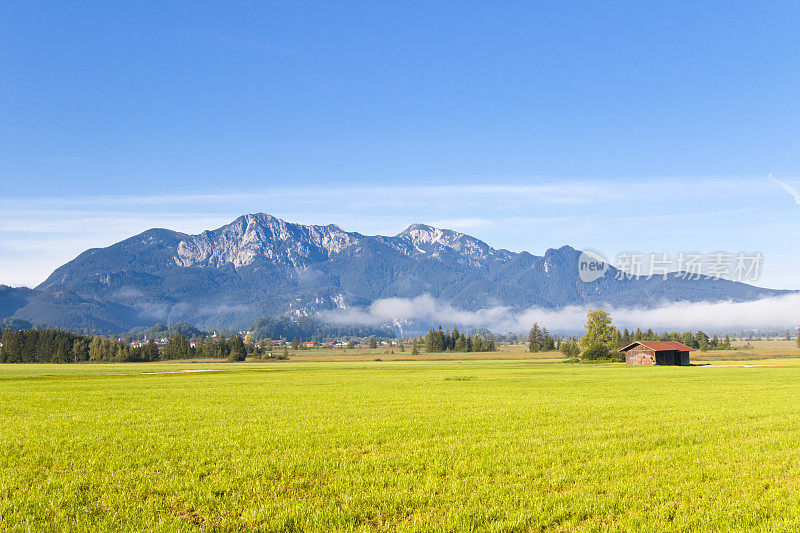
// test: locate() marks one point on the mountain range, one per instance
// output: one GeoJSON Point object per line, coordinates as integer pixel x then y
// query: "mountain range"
{"type": "Point", "coordinates": [260, 265]}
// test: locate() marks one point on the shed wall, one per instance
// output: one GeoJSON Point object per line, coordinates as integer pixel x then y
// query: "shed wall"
{"type": "Point", "coordinates": [640, 355]}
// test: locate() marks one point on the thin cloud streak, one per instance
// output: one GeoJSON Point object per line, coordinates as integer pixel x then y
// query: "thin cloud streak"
{"type": "Point", "coordinates": [788, 188]}
{"type": "Point", "coordinates": [355, 196]}
{"type": "Point", "coordinates": [565, 192]}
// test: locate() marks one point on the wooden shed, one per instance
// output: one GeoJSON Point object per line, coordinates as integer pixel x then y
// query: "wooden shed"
{"type": "Point", "coordinates": [657, 353]}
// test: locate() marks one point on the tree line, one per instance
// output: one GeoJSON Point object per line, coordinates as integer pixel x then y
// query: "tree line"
{"type": "Point", "coordinates": [540, 340]}
{"type": "Point", "coordinates": [58, 346]}
{"type": "Point", "coordinates": [455, 341]}
{"type": "Point", "coordinates": [603, 340]}
{"type": "Point", "coordinates": [312, 329]}
{"type": "Point", "coordinates": [698, 341]}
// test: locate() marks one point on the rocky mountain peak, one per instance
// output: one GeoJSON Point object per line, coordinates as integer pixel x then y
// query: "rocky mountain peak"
{"type": "Point", "coordinates": [426, 238]}
{"type": "Point", "coordinates": [256, 235]}
{"type": "Point", "coordinates": [424, 234]}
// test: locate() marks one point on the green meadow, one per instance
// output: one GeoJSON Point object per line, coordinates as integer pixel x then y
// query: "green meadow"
{"type": "Point", "coordinates": [494, 445]}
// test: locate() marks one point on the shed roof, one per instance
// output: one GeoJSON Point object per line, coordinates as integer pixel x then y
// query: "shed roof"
{"type": "Point", "coordinates": [660, 346]}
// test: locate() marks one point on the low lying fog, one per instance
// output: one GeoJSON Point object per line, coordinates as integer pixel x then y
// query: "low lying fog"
{"type": "Point", "coordinates": [769, 313]}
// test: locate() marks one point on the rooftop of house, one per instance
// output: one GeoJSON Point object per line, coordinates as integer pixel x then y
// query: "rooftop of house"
{"type": "Point", "coordinates": [660, 346]}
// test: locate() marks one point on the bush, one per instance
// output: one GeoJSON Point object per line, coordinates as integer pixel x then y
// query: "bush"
{"type": "Point", "coordinates": [570, 349]}
{"type": "Point", "coordinates": [596, 352]}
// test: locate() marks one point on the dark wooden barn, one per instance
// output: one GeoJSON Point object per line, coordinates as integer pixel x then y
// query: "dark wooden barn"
{"type": "Point", "coordinates": [657, 353]}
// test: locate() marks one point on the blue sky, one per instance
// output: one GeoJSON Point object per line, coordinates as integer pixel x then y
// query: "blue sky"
{"type": "Point", "coordinates": [611, 125]}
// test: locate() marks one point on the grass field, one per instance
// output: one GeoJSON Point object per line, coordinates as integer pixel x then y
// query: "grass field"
{"type": "Point", "coordinates": [499, 445]}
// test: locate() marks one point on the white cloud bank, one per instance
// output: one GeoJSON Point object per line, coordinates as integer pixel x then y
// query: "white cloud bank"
{"type": "Point", "coordinates": [781, 312]}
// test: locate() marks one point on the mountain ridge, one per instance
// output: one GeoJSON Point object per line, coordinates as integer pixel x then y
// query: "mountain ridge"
{"type": "Point", "coordinates": [260, 265]}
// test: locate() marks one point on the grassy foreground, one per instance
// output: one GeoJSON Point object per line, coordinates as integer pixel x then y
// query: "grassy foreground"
{"type": "Point", "coordinates": [504, 445]}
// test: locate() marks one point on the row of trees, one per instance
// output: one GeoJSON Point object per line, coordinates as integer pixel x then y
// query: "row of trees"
{"type": "Point", "coordinates": [698, 341]}
{"type": "Point", "coordinates": [600, 330]}
{"type": "Point", "coordinates": [57, 346]}
{"type": "Point", "coordinates": [312, 329]}
{"type": "Point", "coordinates": [455, 341]}
{"type": "Point", "coordinates": [603, 340]}
{"type": "Point", "coordinates": [179, 347]}
{"type": "Point", "coordinates": [232, 349]}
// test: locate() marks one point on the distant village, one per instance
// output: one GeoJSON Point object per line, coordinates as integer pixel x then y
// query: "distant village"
{"type": "Point", "coordinates": [274, 343]}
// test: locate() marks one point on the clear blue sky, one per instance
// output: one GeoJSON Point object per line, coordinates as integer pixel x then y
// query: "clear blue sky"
{"type": "Point", "coordinates": [105, 107]}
